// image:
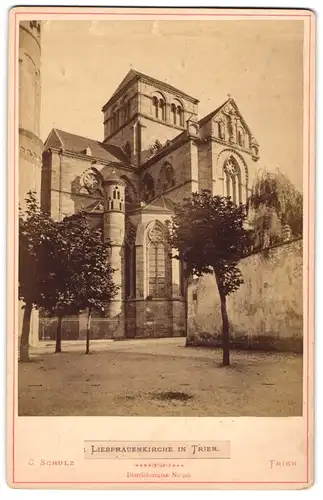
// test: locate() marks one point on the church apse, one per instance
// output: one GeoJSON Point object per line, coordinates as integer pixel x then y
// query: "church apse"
{"type": "Point", "coordinates": [155, 153]}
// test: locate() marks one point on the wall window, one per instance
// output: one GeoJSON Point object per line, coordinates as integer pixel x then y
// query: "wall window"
{"type": "Point", "coordinates": [162, 109]}
{"type": "Point", "coordinates": [166, 179]}
{"type": "Point", "coordinates": [155, 107]}
{"type": "Point", "coordinates": [114, 119]}
{"type": "Point", "coordinates": [173, 113]}
{"type": "Point", "coordinates": [232, 175]}
{"type": "Point", "coordinates": [180, 116]}
{"type": "Point", "coordinates": [221, 130]}
{"type": "Point", "coordinates": [240, 137]}
{"type": "Point", "coordinates": [177, 114]}
{"type": "Point", "coordinates": [116, 202]}
{"type": "Point", "coordinates": [148, 188]}
{"type": "Point", "coordinates": [125, 110]}
{"type": "Point", "coordinates": [130, 260]}
{"type": "Point", "coordinates": [156, 254]}
{"type": "Point", "coordinates": [159, 107]}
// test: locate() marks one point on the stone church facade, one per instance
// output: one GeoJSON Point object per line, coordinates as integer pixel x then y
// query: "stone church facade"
{"type": "Point", "coordinates": [156, 151]}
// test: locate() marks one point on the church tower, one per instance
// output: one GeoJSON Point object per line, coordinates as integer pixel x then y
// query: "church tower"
{"type": "Point", "coordinates": [30, 144]}
{"type": "Point", "coordinates": [114, 230]}
{"type": "Point", "coordinates": [144, 112]}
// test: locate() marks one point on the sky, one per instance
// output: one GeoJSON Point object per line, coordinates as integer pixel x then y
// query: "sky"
{"type": "Point", "coordinates": [260, 63]}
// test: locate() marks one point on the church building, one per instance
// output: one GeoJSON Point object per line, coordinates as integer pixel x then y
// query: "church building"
{"type": "Point", "coordinates": [155, 152]}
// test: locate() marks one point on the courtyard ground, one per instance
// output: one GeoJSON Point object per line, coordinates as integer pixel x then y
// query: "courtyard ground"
{"type": "Point", "coordinates": [158, 377]}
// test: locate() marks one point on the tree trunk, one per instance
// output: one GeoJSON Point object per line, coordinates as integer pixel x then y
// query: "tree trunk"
{"type": "Point", "coordinates": [225, 327]}
{"type": "Point", "coordinates": [88, 327]}
{"type": "Point", "coordinates": [58, 347]}
{"type": "Point", "coordinates": [24, 340]}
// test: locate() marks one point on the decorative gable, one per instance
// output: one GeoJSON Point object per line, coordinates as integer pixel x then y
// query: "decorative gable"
{"type": "Point", "coordinates": [229, 126]}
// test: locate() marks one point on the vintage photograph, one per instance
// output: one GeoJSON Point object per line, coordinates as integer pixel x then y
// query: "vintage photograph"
{"type": "Point", "coordinates": [161, 218]}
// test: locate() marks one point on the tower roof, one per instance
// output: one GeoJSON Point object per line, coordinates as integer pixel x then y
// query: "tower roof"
{"type": "Point", "coordinates": [133, 75]}
{"type": "Point", "coordinates": [114, 177]}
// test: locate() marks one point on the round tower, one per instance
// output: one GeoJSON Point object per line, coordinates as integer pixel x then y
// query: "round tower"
{"type": "Point", "coordinates": [30, 144]}
{"type": "Point", "coordinates": [114, 230]}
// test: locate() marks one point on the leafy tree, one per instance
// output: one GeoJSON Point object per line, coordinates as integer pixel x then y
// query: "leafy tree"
{"type": "Point", "coordinates": [80, 275]}
{"type": "Point", "coordinates": [95, 286]}
{"type": "Point", "coordinates": [63, 268]}
{"type": "Point", "coordinates": [275, 202]}
{"type": "Point", "coordinates": [37, 233]}
{"type": "Point", "coordinates": [208, 232]}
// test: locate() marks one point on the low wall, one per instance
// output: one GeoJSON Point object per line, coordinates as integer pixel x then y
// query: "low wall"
{"type": "Point", "coordinates": [267, 310]}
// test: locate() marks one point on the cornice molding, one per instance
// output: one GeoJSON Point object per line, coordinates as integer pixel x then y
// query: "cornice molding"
{"type": "Point", "coordinates": [91, 159]}
{"type": "Point", "coordinates": [156, 83]}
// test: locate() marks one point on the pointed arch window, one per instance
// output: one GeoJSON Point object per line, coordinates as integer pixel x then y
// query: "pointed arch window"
{"type": "Point", "coordinates": [156, 253]}
{"type": "Point", "coordinates": [148, 188]}
{"type": "Point", "coordinates": [166, 178]}
{"type": "Point", "coordinates": [232, 176]}
{"type": "Point", "coordinates": [130, 261]}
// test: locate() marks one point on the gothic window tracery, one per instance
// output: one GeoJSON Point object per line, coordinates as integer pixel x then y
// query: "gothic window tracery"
{"type": "Point", "coordinates": [90, 183]}
{"type": "Point", "coordinates": [232, 176]}
{"type": "Point", "coordinates": [156, 253]}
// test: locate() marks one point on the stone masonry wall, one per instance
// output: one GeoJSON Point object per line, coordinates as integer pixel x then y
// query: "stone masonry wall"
{"type": "Point", "coordinates": [267, 310]}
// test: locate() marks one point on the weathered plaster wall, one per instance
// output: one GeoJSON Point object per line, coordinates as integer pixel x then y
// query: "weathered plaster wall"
{"type": "Point", "coordinates": [266, 311]}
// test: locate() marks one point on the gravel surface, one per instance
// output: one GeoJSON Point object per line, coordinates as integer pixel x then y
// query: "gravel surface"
{"type": "Point", "coordinates": [159, 377]}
